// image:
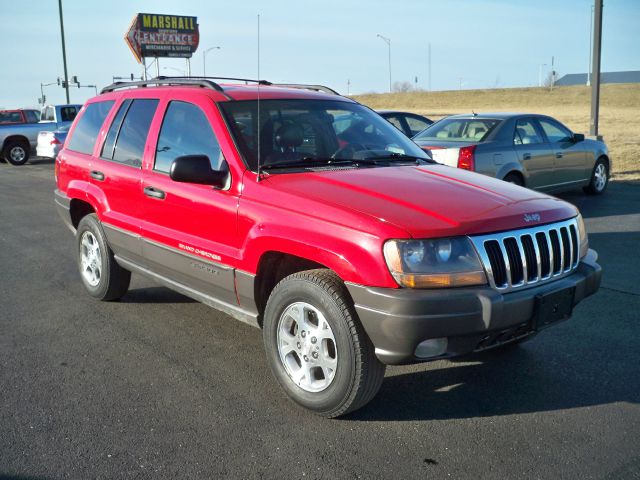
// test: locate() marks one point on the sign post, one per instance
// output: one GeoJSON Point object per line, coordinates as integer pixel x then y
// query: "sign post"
{"type": "Point", "coordinates": [162, 36]}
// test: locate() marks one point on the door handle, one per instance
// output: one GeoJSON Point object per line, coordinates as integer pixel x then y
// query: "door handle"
{"type": "Point", "coordinates": [526, 156]}
{"type": "Point", "coordinates": [97, 175]}
{"type": "Point", "coordinates": [154, 192]}
{"type": "Point", "coordinates": [559, 155]}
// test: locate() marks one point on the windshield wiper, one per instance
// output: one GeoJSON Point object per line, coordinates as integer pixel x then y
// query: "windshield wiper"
{"type": "Point", "coordinates": [402, 157]}
{"type": "Point", "coordinates": [312, 162]}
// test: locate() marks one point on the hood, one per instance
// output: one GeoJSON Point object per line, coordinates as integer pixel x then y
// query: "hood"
{"type": "Point", "coordinates": [427, 201]}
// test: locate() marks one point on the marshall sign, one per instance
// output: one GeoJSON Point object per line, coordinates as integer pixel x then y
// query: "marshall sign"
{"type": "Point", "coordinates": [153, 35]}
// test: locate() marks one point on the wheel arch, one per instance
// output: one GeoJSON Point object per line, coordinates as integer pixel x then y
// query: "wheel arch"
{"type": "Point", "coordinates": [17, 137]}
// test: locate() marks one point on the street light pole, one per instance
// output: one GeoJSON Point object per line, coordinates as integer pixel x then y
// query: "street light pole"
{"type": "Point", "coordinates": [204, 59]}
{"type": "Point", "coordinates": [540, 74]}
{"type": "Point", "coordinates": [595, 73]}
{"type": "Point", "coordinates": [388, 42]}
{"type": "Point", "coordinates": [64, 52]}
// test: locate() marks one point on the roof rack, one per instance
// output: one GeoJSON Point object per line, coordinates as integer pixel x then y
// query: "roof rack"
{"type": "Point", "coordinates": [317, 88]}
{"type": "Point", "coordinates": [205, 82]}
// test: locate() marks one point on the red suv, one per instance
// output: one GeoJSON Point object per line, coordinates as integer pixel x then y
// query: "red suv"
{"type": "Point", "coordinates": [306, 214]}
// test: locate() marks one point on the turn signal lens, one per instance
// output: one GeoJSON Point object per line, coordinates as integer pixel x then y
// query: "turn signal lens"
{"type": "Point", "coordinates": [583, 237]}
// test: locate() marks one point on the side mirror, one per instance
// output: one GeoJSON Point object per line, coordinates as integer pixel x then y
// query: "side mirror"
{"type": "Point", "coordinates": [197, 169]}
{"type": "Point", "coordinates": [578, 137]}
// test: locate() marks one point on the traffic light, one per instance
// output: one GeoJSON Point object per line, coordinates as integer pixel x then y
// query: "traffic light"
{"type": "Point", "coordinates": [74, 79]}
{"type": "Point", "coordinates": [63, 83]}
{"type": "Point", "coordinates": [132, 77]}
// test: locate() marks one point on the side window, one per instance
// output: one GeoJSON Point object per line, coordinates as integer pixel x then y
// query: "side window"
{"type": "Point", "coordinates": [110, 142]}
{"type": "Point", "coordinates": [132, 135]}
{"type": "Point", "coordinates": [68, 114]}
{"type": "Point", "coordinates": [395, 121]}
{"type": "Point", "coordinates": [525, 133]}
{"type": "Point", "coordinates": [554, 131]}
{"type": "Point", "coordinates": [86, 131]}
{"type": "Point", "coordinates": [186, 131]}
{"type": "Point", "coordinates": [47, 114]}
{"type": "Point", "coordinates": [31, 116]}
{"type": "Point", "coordinates": [416, 125]}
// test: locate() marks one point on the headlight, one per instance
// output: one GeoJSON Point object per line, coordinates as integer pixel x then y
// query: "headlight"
{"type": "Point", "coordinates": [583, 238]}
{"type": "Point", "coordinates": [439, 263]}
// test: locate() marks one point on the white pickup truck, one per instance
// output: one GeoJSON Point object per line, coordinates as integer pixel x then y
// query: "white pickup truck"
{"type": "Point", "coordinates": [18, 141]}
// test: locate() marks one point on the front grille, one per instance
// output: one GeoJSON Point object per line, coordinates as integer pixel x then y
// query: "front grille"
{"type": "Point", "coordinates": [519, 258]}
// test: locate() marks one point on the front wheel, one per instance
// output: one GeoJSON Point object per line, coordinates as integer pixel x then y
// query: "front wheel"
{"type": "Point", "coordinates": [599, 178]}
{"type": "Point", "coordinates": [316, 347]}
{"type": "Point", "coordinates": [101, 275]}
{"type": "Point", "coordinates": [16, 152]}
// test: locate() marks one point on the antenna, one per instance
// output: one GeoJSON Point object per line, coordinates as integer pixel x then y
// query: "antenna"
{"type": "Point", "coordinates": [258, 129]}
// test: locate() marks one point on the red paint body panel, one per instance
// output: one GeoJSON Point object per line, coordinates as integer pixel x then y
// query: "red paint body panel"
{"type": "Point", "coordinates": [339, 219]}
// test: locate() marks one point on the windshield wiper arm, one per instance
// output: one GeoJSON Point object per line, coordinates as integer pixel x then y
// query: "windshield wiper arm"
{"type": "Point", "coordinates": [393, 156]}
{"type": "Point", "coordinates": [311, 162]}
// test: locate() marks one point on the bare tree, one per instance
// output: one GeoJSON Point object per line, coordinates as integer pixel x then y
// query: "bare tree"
{"type": "Point", "coordinates": [402, 87]}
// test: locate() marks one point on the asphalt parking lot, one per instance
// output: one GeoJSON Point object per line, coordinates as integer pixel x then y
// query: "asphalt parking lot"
{"type": "Point", "coordinates": [159, 386]}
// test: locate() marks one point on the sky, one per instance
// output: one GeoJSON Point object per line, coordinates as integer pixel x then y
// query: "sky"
{"type": "Point", "coordinates": [474, 43]}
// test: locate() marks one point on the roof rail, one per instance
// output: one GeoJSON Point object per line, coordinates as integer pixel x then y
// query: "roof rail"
{"type": "Point", "coordinates": [317, 88]}
{"type": "Point", "coordinates": [195, 81]}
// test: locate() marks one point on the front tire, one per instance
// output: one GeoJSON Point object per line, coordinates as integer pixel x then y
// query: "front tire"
{"type": "Point", "coordinates": [514, 178]}
{"type": "Point", "coordinates": [101, 275]}
{"type": "Point", "coordinates": [599, 178]}
{"type": "Point", "coordinates": [316, 347]}
{"type": "Point", "coordinates": [16, 152]}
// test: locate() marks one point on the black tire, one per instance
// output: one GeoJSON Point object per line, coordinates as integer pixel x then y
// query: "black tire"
{"type": "Point", "coordinates": [596, 187]}
{"type": "Point", "coordinates": [107, 280]}
{"type": "Point", "coordinates": [514, 178]}
{"type": "Point", "coordinates": [16, 152]}
{"type": "Point", "coordinates": [358, 373]}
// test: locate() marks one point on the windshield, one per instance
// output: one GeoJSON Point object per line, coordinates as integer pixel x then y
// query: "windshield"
{"type": "Point", "coordinates": [458, 130]}
{"type": "Point", "coordinates": [304, 132]}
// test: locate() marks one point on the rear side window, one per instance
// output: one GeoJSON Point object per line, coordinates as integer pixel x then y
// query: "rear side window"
{"type": "Point", "coordinates": [31, 116]}
{"type": "Point", "coordinates": [186, 131]}
{"type": "Point", "coordinates": [130, 133]}
{"type": "Point", "coordinates": [86, 131]}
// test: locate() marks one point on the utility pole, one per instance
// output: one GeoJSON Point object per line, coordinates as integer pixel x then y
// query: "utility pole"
{"type": "Point", "coordinates": [204, 59]}
{"type": "Point", "coordinates": [590, 46]}
{"type": "Point", "coordinates": [64, 52]}
{"type": "Point", "coordinates": [429, 66]}
{"type": "Point", "coordinates": [595, 72]}
{"type": "Point", "coordinates": [388, 42]}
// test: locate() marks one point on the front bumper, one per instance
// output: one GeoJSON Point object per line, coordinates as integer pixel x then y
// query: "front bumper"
{"type": "Point", "coordinates": [471, 319]}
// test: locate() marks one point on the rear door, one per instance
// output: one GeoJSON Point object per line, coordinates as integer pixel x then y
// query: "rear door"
{"type": "Point", "coordinates": [190, 230]}
{"type": "Point", "coordinates": [534, 154]}
{"type": "Point", "coordinates": [117, 172]}
{"type": "Point", "coordinates": [570, 157]}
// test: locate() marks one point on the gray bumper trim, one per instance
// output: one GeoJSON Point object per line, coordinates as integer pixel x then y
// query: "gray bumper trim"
{"type": "Point", "coordinates": [397, 320]}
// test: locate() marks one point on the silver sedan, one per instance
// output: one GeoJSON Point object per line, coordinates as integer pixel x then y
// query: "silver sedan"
{"type": "Point", "coordinates": [531, 150]}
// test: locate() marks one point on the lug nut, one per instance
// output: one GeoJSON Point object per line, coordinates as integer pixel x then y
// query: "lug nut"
{"type": "Point", "coordinates": [306, 359]}
{"type": "Point", "coordinates": [314, 354]}
{"type": "Point", "coordinates": [314, 339]}
{"type": "Point", "coordinates": [299, 346]}
{"type": "Point", "coordinates": [304, 334]}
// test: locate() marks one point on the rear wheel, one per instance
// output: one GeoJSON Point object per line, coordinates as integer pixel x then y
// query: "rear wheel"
{"type": "Point", "coordinates": [514, 178]}
{"type": "Point", "coordinates": [16, 152]}
{"type": "Point", "coordinates": [599, 178]}
{"type": "Point", "coordinates": [101, 275]}
{"type": "Point", "coordinates": [316, 347]}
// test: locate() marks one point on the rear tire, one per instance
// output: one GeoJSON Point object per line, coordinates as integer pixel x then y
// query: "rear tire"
{"type": "Point", "coordinates": [16, 152]}
{"type": "Point", "coordinates": [101, 275]}
{"type": "Point", "coordinates": [514, 178]}
{"type": "Point", "coordinates": [316, 347]}
{"type": "Point", "coordinates": [599, 178]}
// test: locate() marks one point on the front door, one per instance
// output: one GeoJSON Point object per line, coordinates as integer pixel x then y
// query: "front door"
{"type": "Point", "coordinates": [189, 230]}
{"type": "Point", "coordinates": [569, 162]}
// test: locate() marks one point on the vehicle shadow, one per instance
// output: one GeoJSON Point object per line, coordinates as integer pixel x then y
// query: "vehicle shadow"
{"type": "Point", "coordinates": [621, 198]}
{"type": "Point", "coordinates": [155, 295]}
{"type": "Point", "coordinates": [40, 161]}
{"type": "Point", "coordinates": [515, 381]}
{"type": "Point", "coordinates": [9, 476]}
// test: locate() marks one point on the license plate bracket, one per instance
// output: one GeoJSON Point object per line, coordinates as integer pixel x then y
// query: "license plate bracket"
{"type": "Point", "coordinates": [552, 307]}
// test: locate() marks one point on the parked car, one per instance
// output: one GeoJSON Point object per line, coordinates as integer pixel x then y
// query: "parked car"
{"type": "Point", "coordinates": [19, 116]}
{"type": "Point", "coordinates": [531, 150]}
{"type": "Point", "coordinates": [18, 140]}
{"type": "Point", "coordinates": [408, 123]}
{"type": "Point", "coordinates": [349, 247]}
{"type": "Point", "coordinates": [50, 143]}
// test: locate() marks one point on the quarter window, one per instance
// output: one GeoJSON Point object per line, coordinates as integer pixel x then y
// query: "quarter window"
{"type": "Point", "coordinates": [416, 125]}
{"type": "Point", "coordinates": [186, 131]}
{"type": "Point", "coordinates": [86, 131]}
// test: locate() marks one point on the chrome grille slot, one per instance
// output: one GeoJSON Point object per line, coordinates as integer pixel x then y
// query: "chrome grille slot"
{"type": "Point", "coordinates": [516, 259]}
